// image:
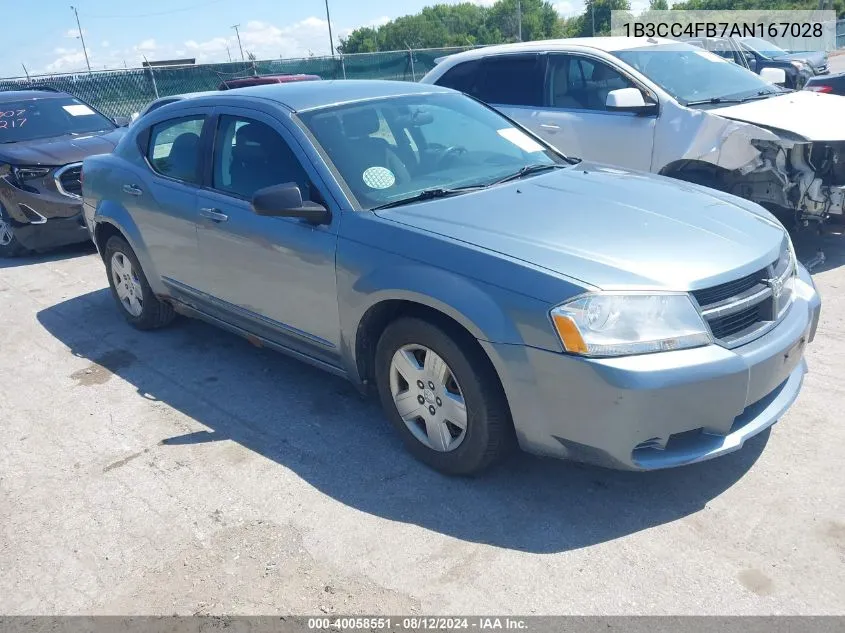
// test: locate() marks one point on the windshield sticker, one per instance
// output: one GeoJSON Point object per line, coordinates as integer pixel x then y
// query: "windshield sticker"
{"type": "Point", "coordinates": [379, 178]}
{"type": "Point", "coordinates": [77, 109]}
{"type": "Point", "coordinates": [520, 139]}
{"type": "Point", "coordinates": [12, 118]}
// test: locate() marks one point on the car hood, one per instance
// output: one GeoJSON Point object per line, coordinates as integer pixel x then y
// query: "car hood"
{"type": "Point", "coordinates": [60, 150]}
{"type": "Point", "coordinates": [609, 228]}
{"type": "Point", "coordinates": [816, 59]}
{"type": "Point", "coordinates": [813, 115]}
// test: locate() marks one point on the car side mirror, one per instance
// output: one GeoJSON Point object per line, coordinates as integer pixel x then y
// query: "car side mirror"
{"type": "Point", "coordinates": [775, 76]}
{"type": "Point", "coordinates": [629, 100]}
{"type": "Point", "coordinates": [751, 60]}
{"type": "Point", "coordinates": [285, 201]}
{"type": "Point", "coordinates": [122, 121]}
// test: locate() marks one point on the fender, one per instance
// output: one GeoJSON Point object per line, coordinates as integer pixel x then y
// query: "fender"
{"type": "Point", "coordinates": [114, 214]}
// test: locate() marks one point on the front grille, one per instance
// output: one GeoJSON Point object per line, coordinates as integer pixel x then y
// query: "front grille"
{"type": "Point", "coordinates": [69, 180]}
{"type": "Point", "coordinates": [726, 326]}
{"type": "Point", "coordinates": [709, 297]}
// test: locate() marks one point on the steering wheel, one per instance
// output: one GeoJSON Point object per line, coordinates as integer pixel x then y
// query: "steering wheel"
{"type": "Point", "coordinates": [449, 153]}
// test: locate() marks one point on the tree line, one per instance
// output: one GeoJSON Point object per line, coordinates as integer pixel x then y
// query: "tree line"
{"type": "Point", "coordinates": [469, 24]}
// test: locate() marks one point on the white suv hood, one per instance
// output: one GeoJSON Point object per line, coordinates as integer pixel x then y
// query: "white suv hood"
{"type": "Point", "coordinates": [813, 115]}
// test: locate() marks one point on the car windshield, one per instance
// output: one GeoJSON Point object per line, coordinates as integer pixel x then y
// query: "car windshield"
{"type": "Point", "coordinates": [32, 119]}
{"type": "Point", "coordinates": [691, 74]}
{"type": "Point", "coordinates": [764, 47]}
{"type": "Point", "coordinates": [391, 149]}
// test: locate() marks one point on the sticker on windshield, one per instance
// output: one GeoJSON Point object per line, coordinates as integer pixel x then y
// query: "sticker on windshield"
{"type": "Point", "coordinates": [379, 178]}
{"type": "Point", "coordinates": [77, 109]}
{"type": "Point", "coordinates": [520, 139]}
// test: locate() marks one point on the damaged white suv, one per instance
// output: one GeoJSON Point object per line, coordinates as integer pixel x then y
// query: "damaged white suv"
{"type": "Point", "coordinates": [670, 108]}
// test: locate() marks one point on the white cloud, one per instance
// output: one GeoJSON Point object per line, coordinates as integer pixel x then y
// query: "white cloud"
{"type": "Point", "coordinates": [146, 46]}
{"type": "Point", "coordinates": [105, 44]}
{"type": "Point", "coordinates": [67, 62]}
{"type": "Point", "coordinates": [569, 8]}
{"type": "Point", "coordinates": [74, 32]}
{"type": "Point", "coordinates": [379, 21]}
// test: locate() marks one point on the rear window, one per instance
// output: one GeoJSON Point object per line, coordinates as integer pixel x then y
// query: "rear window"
{"type": "Point", "coordinates": [31, 119]}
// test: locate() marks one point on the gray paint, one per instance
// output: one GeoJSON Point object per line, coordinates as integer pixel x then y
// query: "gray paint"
{"type": "Point", "coordinates": [495, 261]}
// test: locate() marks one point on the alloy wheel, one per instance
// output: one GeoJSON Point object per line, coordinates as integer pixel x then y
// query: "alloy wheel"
{"type": "Point", "coordinates": [127, 285]}
{"type": "Point", "coordinates": [428, 397]}
{"type": "Point", "coordinates": [6, 235]}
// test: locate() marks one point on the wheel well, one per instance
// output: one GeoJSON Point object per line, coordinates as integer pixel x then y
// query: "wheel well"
{"type": "Point", "coordinates": [674, 170]}
{"type": "Point", "coordinates": [378, 317]}
{"type": "Point", "coordinates": [102, 234]}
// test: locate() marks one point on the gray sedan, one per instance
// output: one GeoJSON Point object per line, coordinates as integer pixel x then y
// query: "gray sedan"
{"type": "Point", "coordinates": [491, 290]}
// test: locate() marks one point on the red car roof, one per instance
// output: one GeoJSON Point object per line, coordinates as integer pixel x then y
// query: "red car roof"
{"type": "Point", "coordinates": [243, 82]}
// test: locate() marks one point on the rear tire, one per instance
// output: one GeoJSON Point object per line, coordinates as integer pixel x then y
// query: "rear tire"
{"type": "Point", "coordinates": [130, 289]}
{"type": "Point", "coordinates": [466, 393]}
{"type": "Point", "coordinates": [9, 244]}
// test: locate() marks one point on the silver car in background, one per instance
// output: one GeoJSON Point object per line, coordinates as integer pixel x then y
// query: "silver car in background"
{"type": "Point", "coordinates": [670, 108]}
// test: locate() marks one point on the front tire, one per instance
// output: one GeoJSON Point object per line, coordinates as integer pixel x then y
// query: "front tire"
{"type": "Point", "coordinates": [9, 244]}
{"type": "Point", "coordinates": [444, 398]}
{"type": "Point", "coordinates": [130, 289]}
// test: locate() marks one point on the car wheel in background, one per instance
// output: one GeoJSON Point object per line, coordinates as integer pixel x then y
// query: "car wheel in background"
{"type": "Point", "coordinates": [139, 306]}
{"type": "Point", "coordinates": [443, 398]}
{"type": "Point", "coordinates": [9, 244]}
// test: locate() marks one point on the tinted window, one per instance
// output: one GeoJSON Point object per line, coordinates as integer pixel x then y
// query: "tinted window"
{"type": "Point", "coordinates": [174, 148]}
{"type": "Point", "coordinates": [462, 77]}
{"type": "Point", "coordinates": [511, 80]}
{"type": "Point", "coordinates": [48, 117]}
{"type": "Point", "coordinates": [250, 155]}
{"type": "Point", "coordinates": [582, 83]}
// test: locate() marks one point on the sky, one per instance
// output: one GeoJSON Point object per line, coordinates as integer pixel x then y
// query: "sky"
{"type": "Point", "coordinates": [119, 32]}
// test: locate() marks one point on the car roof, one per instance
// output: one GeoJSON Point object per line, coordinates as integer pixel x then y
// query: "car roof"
{"type": "Point", "coordinates": [607, 44]}
{"type": "Point", "coordinates": [17, 95]}
{"type": "Point", "coordinates": [308, 95]}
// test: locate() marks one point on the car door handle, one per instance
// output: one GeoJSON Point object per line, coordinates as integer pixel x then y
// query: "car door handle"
{"type": "Point", "coordinates": [550, 126]}
{"type": "Point", "coordinates": [213, 214]}
{"type": "Point", "coordinates": [132, 190]}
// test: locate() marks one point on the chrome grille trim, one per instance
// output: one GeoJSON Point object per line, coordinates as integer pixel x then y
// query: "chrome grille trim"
{"type": "Point", "coordinates": [739, 303]}
{"type": "Point", "coordinates": [57, 177]}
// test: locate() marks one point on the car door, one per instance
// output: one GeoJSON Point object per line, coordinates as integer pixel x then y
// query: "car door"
{"type": "Point", "coordinates": [271, 276]}
{"type": "Point", "coordinates": [577, 121]}
{"type": "Point", "coordinates": [160, 194]}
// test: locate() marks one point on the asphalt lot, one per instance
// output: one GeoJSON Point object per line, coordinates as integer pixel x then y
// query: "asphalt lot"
{"type": "Point", "coordinates": [185, 471]}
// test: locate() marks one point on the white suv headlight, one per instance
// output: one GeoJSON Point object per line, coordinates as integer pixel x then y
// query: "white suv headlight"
{"type": "Point", "coordinates": [621, 324]}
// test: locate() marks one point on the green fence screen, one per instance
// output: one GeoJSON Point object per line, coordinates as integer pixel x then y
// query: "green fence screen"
{"type": "Point", "coordinates": [123, 92]}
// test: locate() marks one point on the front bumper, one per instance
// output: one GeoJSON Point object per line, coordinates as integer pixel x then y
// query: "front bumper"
{"type": "Point", "coordinates": [43, 220]}
{"type": "Point", "coordinates": [657, 410]}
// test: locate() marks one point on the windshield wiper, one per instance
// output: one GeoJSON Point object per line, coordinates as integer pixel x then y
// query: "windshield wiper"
{"type": "Point", "coordinates": [527, 171]}
{"type": "Point", "coordinates": [427, 194]}
{"type": "Point", "coordinates": [763, 94]}
{"type": "Point", "coordinates": [713, 100]}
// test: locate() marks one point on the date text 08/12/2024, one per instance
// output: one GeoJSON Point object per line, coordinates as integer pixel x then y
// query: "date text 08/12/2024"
{"type": "Point", "coordinates": [415, 623]}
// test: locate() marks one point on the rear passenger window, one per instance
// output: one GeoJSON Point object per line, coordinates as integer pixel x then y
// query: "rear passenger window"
{"type": "Point", "coordinates": [511, 80]}
{"type": "Point", "coordinates": [462, 77]}
{"type": "Point", "coordinates": [174, 148]}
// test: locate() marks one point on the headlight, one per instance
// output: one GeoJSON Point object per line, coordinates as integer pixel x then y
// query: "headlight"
{"type": "Point", "coordinates": [29, 173]}
{"type": "Point", "coordinates": [611, 324]}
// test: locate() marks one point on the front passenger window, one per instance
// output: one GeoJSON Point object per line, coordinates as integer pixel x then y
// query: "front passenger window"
{"type": "Point", "coordinates": [174, 148]}
{"type": "Point", "coordinates": [250, 155]}
{"type": "Point", "coordinates": [587, 82]}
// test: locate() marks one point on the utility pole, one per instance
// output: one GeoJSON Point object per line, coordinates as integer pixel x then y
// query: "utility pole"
{"type": "Point", "coordinates": [238, 33]}
{"type": "Point", "coordinates": [519, 19]}
{"type": "Point", "coordinates": [228, 53]}
{"type": "Point", "coordinates": [593, 15]}
{"type": "Point", "coordinates": [329, 20]}
{"type": "Point", "coordinates": [82, 39]}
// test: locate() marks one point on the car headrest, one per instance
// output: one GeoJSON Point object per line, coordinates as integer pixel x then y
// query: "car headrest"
{"type": "Point", "coordinates": [361, 123]}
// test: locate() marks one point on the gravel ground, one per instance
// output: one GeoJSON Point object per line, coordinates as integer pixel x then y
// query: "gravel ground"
{"type": "Point", "coordinates": [185, 471]}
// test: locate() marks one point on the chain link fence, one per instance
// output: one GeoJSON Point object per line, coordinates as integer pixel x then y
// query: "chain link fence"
{"type": "Point", "coordinates": [123, 92]}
